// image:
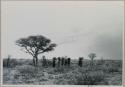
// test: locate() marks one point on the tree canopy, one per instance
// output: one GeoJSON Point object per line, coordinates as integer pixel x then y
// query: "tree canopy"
{"type": "Point", "coordinates": [35, 45]}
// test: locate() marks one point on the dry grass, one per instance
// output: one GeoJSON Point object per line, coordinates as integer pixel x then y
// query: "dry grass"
{"type": "Point", "coordinates": [108, 73]}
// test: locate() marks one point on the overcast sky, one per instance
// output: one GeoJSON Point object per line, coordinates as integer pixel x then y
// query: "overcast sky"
{"type": "Point", "coordinates": [78, 28]}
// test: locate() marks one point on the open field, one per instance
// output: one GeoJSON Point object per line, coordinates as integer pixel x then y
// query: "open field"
{"type": "Point", "coordinates": [21, 71]}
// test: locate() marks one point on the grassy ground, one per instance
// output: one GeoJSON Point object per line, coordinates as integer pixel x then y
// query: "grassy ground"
{"type": "Point", "coordinates": [105, 72]}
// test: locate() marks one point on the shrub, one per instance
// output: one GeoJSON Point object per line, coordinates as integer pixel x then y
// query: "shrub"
{"type": "Point", "coordinates": [12, 63]}
{"type": "Point", "coordinates": [4, 62]}
{"type": "Point", "coordinates": [90, 78]}
{"type": "Point", "coordinates": [112, 69]}
{"type": "Point", "coordinates": [59, 70]}
{"type": "Point", "coordinates": [28, 70]}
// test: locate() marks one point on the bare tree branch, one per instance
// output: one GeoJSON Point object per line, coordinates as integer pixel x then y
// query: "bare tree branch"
{"type": "Point", "coordinates": [29, 51]}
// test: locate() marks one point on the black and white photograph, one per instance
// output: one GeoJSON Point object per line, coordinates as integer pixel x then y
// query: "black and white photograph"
{"type": "Point", "coordinates": [62, 42]}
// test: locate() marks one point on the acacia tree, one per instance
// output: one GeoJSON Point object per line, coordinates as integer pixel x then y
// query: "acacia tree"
{"type": "Point", "coordinates": [92, 56]}
{"type": "Point", "coordinates": [35, 45]}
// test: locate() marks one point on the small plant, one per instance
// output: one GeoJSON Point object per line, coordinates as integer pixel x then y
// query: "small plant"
{"type": "Point", "coordinates": [92, 56]}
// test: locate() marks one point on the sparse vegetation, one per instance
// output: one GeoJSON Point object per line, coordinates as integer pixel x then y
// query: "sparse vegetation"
{"type": "Point", "coordinates": [87, 78]}
{"type": "Point", "coordinates": [56, 72]}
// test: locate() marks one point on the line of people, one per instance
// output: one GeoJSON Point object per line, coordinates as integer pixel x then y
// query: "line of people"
{"type": "Point", "coordinates": [62, 61]}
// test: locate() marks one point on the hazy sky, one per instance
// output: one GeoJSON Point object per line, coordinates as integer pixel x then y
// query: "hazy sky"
{"type": "Point", "coordinates": [78, 27]}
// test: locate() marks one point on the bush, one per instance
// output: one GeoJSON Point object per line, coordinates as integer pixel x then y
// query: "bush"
{"type": "Point", "coordinates": [59, 70]}
{"type": "Point", "coordinates": [12, 63]}
{"type": "Point", "coordinates": [90, 78]}
{"type": "Point", "coordinates": [111, 68]}
{"type": "Point", "coordinates": [28, 70]}
{"type": "Point", "coordinates": [4, 62]}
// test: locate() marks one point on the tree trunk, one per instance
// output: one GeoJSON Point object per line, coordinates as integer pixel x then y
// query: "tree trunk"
{"type": "Point", "coordinates": [35, 60]}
